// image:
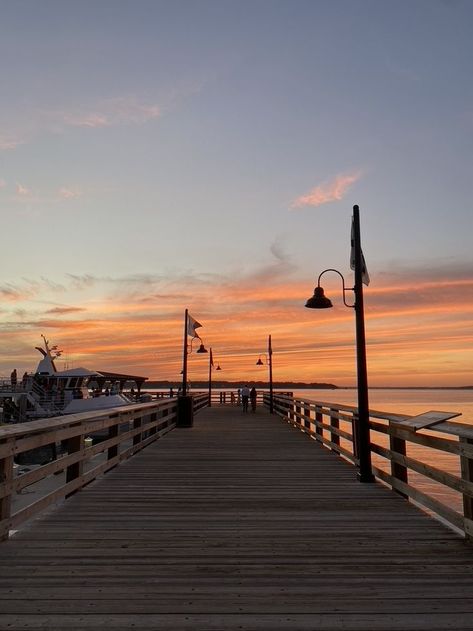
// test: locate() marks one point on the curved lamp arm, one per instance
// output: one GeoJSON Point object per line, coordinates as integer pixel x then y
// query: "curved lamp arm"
{"type": "Point", "coordinates": [345, 289]}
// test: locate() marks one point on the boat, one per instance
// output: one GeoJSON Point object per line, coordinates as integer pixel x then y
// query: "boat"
{"type": "Point", "coordinates": [50, 392]}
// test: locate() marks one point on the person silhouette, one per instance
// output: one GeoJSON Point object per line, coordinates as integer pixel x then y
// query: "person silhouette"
{"type": "Point", "coordinates": [245, 395]}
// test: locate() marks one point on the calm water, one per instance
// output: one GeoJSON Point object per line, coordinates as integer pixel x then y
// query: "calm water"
{"type": "Point", "coordinates": [409, 402]}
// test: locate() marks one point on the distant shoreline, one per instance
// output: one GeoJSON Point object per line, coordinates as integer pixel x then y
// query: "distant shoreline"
{"type": "Point", "coordinates": [295, 385]}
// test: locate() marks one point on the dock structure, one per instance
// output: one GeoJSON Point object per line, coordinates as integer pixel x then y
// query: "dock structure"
{"type": "Point", "coordinates": [239, 522]}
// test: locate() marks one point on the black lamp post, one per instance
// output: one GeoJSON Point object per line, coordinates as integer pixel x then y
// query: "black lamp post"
{"type": "Point", "coordinates": [320, 301]}
{"type": "Point", "coordinates": [211, 365]}
{"type": "Point", "coordinates": [269, 362]}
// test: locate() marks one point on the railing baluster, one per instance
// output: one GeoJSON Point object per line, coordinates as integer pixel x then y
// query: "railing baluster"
{"type": "Point", "coordinates": [467, 475]}
{"type": "Point", "coordinates": [6, 477]}
{"type": "Point", "coordinates": [334, 423]}
{"type": "Point", "coordinates": [73, 471]}
{"type": "Point", "coordinates": [398, 470]}
{"type": "Point", "coordinates": [306, 415]}
{"type": "Point", "coordinates": [319, 418]}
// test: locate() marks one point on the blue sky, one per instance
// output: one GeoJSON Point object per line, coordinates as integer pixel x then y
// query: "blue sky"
{"type": "Point", "coordinates": [147, 147]}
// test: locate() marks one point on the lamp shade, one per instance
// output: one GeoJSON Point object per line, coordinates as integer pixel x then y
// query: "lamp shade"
{"type": "Point", "coordinates": [202, 349]}
{"type": "Point", "coordinates": [318, 300]}
{"type": "Point", "coordinates": [218, 367]}
{"type": "Point", "coordinates": [259, 362]}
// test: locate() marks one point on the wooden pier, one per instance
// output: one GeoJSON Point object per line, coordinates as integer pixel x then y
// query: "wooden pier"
{"type": "Point", "coordinates": [240, 522]}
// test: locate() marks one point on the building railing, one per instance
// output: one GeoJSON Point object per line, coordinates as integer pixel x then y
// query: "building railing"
{"type": "Point", "coordinates": [333, 425]}
{"type": "Point", "coordinates": [76, 448]}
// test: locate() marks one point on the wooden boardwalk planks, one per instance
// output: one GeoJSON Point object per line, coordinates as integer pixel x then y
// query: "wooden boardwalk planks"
{"type": "Point", "coordinates": [237, 523]}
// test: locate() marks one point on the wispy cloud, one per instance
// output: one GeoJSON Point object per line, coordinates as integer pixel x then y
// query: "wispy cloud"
{"type": "Point", "coordinates": [22, 191]}
{"type": "Point", "coordinates": [117, 111]}
{"type": "Point", "coordinates": [8, 144]}
{"type": "Point", "coordinates": [64, 310]}
{"type": "Point", "coordinates": [327, 192]}
{"type": "Point", "coordinates": [67, 193]}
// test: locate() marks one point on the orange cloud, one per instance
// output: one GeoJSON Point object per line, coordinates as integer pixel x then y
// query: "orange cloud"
{"type": "Point", "coordinates": [327, 192]}
{"type": "Point", "coordinates": [134, 324]}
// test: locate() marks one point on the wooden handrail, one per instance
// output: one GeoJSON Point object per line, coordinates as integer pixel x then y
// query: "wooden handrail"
{"type": "Point", "coordinates": [332, 424]}
{"type": "Point", "coordinates": [123, 432]}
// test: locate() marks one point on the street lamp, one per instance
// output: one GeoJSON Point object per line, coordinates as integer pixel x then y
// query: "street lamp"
{"type": "Point", "coordinates": [320, 301]}
{"type": "Point", "coordinates": [211, 365]}
{"type": "Point", "coordinates": [269, 362]}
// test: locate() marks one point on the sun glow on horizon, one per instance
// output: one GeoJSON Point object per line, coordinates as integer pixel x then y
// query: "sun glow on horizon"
{"type": "Point", "coordinates": [411, 338]}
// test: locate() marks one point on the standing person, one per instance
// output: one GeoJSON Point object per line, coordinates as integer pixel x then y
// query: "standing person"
{"type": "Point", "coordinates": [14, 378]}
{"type": "Point", "coordinates": [238, 396]}
{"type": "Point", "coordinates": [253, 396]}
{"type": "Point", "coordinates": [245, 395]}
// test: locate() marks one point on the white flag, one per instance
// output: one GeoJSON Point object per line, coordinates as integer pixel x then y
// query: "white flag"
{"type": "Point", "coordinates": [192, 325]}
{"type": "Point", "coordinates": [365, 277]}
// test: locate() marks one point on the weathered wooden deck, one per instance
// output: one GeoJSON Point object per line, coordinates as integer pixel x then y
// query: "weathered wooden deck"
{"type": "Point", "coordinates": [238, 523]}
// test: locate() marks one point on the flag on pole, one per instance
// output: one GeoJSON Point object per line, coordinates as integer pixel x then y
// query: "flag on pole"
{"type": "Point", "coordinates": [365, 277]}
{"type": "Point", "coordinates": [192, 325]}
{"type": "Point", "coordinates": [211, 358]}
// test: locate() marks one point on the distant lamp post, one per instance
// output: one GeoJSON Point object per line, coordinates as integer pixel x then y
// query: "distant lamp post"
{"type": "Point", "coordinates": [211, 365]}
{"type": "Point", "coordinates": [268, 360]}
{"type": "Point", "coordinates": [320, 301]}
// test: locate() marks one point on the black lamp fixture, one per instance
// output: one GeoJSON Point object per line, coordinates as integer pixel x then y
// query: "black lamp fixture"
{"type": "Point", "coordinates": [320, 301]}
{"type": "Point", "coordinates": [211, 365]}
{"type": "Point", "coordinates": [269, 362]}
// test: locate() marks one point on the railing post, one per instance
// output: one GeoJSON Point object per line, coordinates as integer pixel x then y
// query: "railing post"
{"type": "Point", "coordinates": [398, 471]}
{"type": "Point", "coordinates": [73, 471]}
{"type": "Point", "coordinates": [292, 416]}
{"type": "Point", "coordinates": [307, 416]}
{"type": "Point", "coordinates": [137, 438]}
{"type": "Point", "coordinates": [467, 475]}
{"type": "Point", "coordinates": [335, 424]}
{"type": "Point", "coordinates": [6, 477]}
{"type": "Point", "coordinates": [112, 452]}
{"type": "Point", "coordinates": [319, 418]}
{"type": "Point", "coordinates": [297, 415]}
{"type": "Point", "coordinates": [354, 421]}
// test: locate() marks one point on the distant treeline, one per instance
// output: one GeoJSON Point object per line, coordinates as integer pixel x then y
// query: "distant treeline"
{"type": "Point", "coordinates": [163, 385]}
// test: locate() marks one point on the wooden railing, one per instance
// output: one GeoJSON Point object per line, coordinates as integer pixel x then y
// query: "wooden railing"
{"type": "Point", "coordinates": [333, 425]}
{"type": "Point", "coordinates": [76, 449]}
{"type": "Point", "coordinates": [219, 397]}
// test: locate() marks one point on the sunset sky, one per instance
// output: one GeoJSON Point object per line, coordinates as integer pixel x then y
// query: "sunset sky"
{"type": "Point", "coordinates": [158, 155]}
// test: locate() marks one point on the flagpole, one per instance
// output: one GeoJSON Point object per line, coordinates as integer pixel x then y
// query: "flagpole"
{"type": "Point", "coordinates": [184, 359]}
{"type": "Point", "coordinates": [362, 426]}
{"type": "Point", "coordinates": [210, 378]}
